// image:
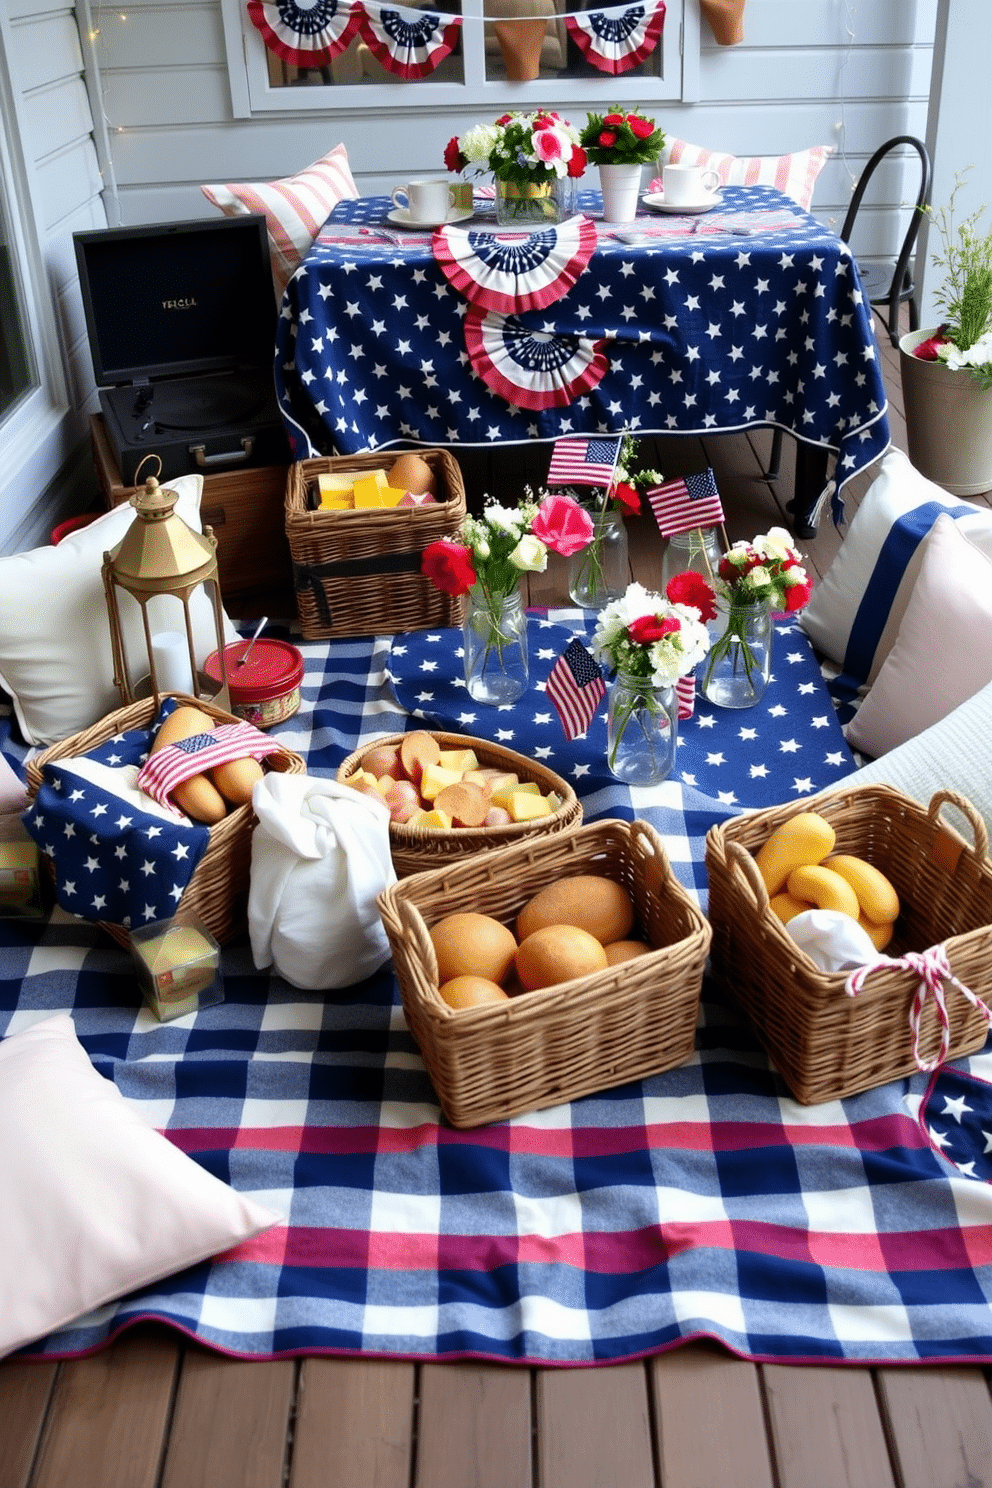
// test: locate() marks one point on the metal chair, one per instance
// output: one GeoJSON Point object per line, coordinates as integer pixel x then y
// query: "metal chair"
{"type": "Point", "coordinates": [886, 282]}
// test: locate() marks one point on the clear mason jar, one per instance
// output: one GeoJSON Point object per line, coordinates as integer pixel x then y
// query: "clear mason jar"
{"type": "Point", "coordinates": [529, 204]}
{"type": "Point", "coordinates": [697, 550]}
{"type": "Point", "coordinates": [494, 643]}
{"type": "Point", "coordinates": [736, 671]}
{"type": "Point", "coordinates": [600, 573]}
{"type": "Point", "coordinates": [641, 730]}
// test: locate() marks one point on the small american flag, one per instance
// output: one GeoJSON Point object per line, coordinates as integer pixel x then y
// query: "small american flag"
{"type": "Point", "coordinates": [575, 686]}
{"type": "Point", "coordinates": [691, 501]}
{"type": "Point", "coordinates": [169, 767]}
{"type": "Point", "coordinates": [583, 462]}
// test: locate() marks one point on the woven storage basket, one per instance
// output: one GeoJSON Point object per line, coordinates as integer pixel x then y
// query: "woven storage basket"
{"type": "Point", "coordinates": [541, 1048]}
{"type": "Point", "coordinates": [415, 849]}
{"type": "Point", "coordinates": [825, 1044]}
{"type": "Point", "coordinates": [217, 893]}
{"type": "Point", "coordinates": [358, 572]}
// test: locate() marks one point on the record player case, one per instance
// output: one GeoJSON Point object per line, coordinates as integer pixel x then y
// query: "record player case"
{"type": "Point", "coordinates": [181, 321]}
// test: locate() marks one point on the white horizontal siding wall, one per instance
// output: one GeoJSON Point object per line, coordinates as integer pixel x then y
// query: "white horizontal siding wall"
{"type": "Point", "coordinates": [809, 72]}
{"type": "Point", "coordinates": [60, 187]}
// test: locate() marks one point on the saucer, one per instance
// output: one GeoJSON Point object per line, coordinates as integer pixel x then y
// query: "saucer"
{"type": "Point", "coordinates": [401, 217]}
{"type": "Point", "coordinates": [657, 203]}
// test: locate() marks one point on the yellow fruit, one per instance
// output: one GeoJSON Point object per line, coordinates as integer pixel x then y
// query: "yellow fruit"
{"type": "Point", "coordinates": [557, 953]}
{"type": "Point", "coordinates": [802, 840]}
{"type": "Point", "coordinates": [786, 906]}
{"type": "Point", "coordinates": [594, 903]}
{"type": "Point", "coordinates": [878, 899]}
{"type": "Point", "coordinates": [626, 950]}
{"type": "Point", "coordinates": [879, 935]}
{"type": "Point", "coordinates": [471, 991]}
{"type": "Point", "coordinates": [823, 889]}
{"type": "Point", "coordinates": [471, 944]}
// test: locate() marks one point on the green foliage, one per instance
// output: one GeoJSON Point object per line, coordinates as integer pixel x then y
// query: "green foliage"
{"type": "Point", "coordinates": [621, 138]}
{"type": "Point", "coordinates": [966, 259]}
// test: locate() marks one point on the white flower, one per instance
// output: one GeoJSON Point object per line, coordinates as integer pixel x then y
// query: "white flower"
{"type": "Point", "coordinates": [978, 355]}
{"type": "Point", "coordinates": [530, 555]}
{"type": "Point", "coordinates": [777, 543]}
{"type": "Point", "coordinates": [504, 519]}
{"type": "Point", "coordinates": [477, 143]}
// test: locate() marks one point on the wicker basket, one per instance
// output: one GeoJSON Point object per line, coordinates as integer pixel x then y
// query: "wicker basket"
{"type": "Point", "coordinates": [542, 1048]}
{"type": "Point", "coordinates": [416, 849]}
{"type": "Point", "coordinates": [358, 572]}
{"type": "Point", "coordinates": [825, 1044]}
{"type": "Point", "coordinates": [217, 893]}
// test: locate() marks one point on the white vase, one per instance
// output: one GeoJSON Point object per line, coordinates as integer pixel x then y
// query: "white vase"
{"type": "Point", "coordinates": [621, 188]}
{"type": "Point", "coordinates": [948, 421]}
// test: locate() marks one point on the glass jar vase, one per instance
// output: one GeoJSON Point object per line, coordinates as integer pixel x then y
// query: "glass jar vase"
{"type": "Point", "coordinates": [534, 204]}
{"type": "Point", "coordinates": [600, 573]}
{"type": "Point", "coordinates": [641, 730]}
{"type": "Point", "coordinates": [696, 551]}
{"type": "Point", "coordinates": [494, 644]}
{"type": "Point", "coordinates": [736, 671]}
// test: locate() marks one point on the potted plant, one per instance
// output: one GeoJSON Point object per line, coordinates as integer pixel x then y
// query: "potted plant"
{"type": "Point", "coordinates": [946, 370]}
{"type": "Point", "coordinates": [531, 156]}
{"type": "Point", "coordinates": [621, 144]}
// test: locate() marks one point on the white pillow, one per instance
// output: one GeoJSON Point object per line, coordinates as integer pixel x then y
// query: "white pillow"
{"type": "Point", "coordinates": [295, 208]}
{"type": "Point", "coordinates": [855, 611]}
{"type": "Point", "coordinates": [55, 656]}
{"type": "Point", "coordinates": [96, 1203]}
{"type": "Point", "coordinates": [794, 174]}
{"type": "Point", "coordinates": [943, 653]}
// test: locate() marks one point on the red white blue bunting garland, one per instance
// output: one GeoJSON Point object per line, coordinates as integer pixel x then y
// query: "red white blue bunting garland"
{"type": "Point", "coordinates": [529, 368]}
{"type": "Point", "coordinates": [410, 42]}
{"type": "Point", "coordinates": [515, 273]}
{"type": "Point", "coordinates": [307, 35]}
{"type": "Point", "coordinates": [617, 39]}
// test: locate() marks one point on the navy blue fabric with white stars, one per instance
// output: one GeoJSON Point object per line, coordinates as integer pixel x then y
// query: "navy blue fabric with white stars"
{"type": "Point", "coordinates": [706, 326]}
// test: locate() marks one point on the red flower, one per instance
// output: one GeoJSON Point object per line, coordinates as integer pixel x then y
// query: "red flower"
{"type": "Point", "coordinates": [691, 588]}
{"type": "Point", "coordinates": [613, 118]}
{"type": "Point", "coordinates": [640, 128]}
{"type": "Point", "coordinates": [449, 566]}
{"type": "Point", "coordinates": [798, 596]}
{"type": "Point", "coordinates": [607, 137]}
{"type": "Point", "coordinates": [454, 160]}
{"type": "Point", "coordinates": [504, 119]}
{"type": "Point", "coordinates": [578, 162]}
{"type": "Point", "coordinates": [562, 525]}
{"type": "Point", "coordinates": [627, 497]}
{"type": "Point", "coordinates": [927, 350]}
{"type": "Point", "coordinates": [648, 628]}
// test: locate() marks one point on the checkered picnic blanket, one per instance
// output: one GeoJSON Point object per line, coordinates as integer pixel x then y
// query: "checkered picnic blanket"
{"type": "Point", "coordinates": [702, 1202]}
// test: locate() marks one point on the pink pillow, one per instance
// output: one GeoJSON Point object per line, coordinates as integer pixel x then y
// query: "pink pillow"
{"type": "Point", "coordinates": [943, 650]}
{"type": "Point", "coordinates": [295, 208]}
{"type": "Point", "coordinates": [794, 174]}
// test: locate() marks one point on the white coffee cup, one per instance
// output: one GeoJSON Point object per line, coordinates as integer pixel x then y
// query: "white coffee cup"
{"type": "Point", "coordinates": [689, 185]}
{"type": "Point", "coordinates": [427, 200]}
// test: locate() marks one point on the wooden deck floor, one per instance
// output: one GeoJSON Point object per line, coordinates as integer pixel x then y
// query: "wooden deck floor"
{"type": "Point", "coordinates": [152, 1411]}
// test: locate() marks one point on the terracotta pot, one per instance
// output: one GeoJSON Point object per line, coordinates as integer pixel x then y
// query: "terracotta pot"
{"type": "Point", "coordinates": [948, 421]}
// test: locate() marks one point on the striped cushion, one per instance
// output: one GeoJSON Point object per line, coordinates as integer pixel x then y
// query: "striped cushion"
{"type": "Point", "coordinates": [295, 208]}
{"type": "Point", "coordinates": [794, 174]}
{"type": "Point", "coordinates": [854, 615]}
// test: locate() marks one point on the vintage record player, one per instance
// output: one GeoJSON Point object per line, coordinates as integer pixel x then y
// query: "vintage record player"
{"type": "Point", "coordinates": [181, 319]}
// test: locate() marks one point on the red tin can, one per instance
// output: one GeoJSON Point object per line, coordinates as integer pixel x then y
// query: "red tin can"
{"type": "Point", "coordinates": [266, 689]}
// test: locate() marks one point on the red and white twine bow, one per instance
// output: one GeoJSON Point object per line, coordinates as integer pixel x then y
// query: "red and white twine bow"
{"type": "Point", "coordinates": [933, 969]}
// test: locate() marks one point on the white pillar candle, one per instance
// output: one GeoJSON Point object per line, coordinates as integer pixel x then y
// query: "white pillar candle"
{"type": "Point", "coordinates": [172, 666]}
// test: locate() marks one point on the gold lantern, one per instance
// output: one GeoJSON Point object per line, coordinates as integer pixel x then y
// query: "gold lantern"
{"type": "Point", "coordinates": [158, 555]}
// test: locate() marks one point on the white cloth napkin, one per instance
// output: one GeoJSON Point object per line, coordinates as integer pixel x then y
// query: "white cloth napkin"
{"type": "Point", "coordinates": [835, 941]}
{"type": "Point", "coordinates": [319, 856]}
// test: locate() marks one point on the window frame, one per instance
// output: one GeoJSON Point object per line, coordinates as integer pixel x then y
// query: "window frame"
{"type": "Point", "coordinates": [252, 94]}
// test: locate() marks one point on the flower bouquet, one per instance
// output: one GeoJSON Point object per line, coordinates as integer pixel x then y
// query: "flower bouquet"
{"type": "Point", "coordinates": [486, 564]}
{"type": "Point", "coordinates": [599, 572]}
{"type": "Point", "coordinates": [754, 581]}
{"type": "Point", "coordinates": [529, 155]}
{"type": "Point", "coordinates": [648, 641]}
{"type": "Point", "coordinates": [621, 139]}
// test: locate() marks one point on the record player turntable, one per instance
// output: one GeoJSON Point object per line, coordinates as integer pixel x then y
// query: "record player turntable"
{"type": "Point", "coordinates": [181, 322]}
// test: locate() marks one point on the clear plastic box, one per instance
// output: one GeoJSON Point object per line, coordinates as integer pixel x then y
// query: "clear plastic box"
{"type": "Point", "coordinates": [178, 965]}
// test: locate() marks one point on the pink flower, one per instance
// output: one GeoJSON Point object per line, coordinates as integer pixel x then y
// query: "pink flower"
{"type": "Point", "coordinates": [691, 588]}
{"type": "Point", "coordinates": [648, 628]}
{"type": "Point", "coordinates": [449, 566]}
{"type": "Point", "coordinates": [562, 525]}
{"type": "Point", "coordinates": [549, 145]}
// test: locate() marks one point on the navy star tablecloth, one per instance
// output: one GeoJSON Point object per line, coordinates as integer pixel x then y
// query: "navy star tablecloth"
{"type": "Point", "coordinates": [751, 315]}
{"type": "Point", "coordinates": [702, 1202]}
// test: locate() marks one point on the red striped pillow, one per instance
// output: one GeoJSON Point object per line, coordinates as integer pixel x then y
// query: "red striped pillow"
{"type": "Point", "coordinates": [795, 174]}
{"type": "Point", "coordinates": [295, 208]}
